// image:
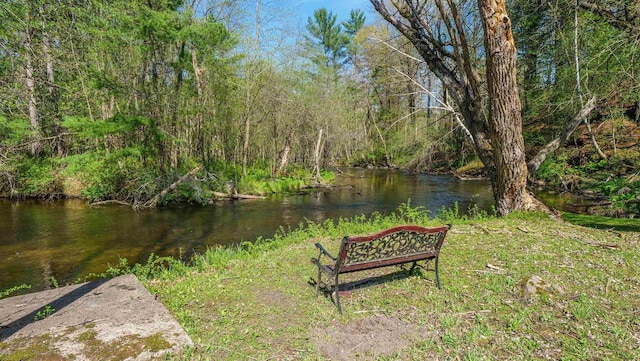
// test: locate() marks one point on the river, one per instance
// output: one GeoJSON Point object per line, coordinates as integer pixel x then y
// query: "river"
{"type": "Point", "coordinates": [43, 241]}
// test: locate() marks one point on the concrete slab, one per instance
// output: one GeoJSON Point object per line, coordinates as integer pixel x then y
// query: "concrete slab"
{"type": "Point", "coordinates": [116, 319]}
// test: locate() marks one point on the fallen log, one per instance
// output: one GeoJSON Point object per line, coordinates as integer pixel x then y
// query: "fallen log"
{"type": "Point", "coordinates": [236, 196]}
{"type": "Point", "coordinates": [110, 201]}
{"type": "Point", "coordinates": [154, 201]}
{"type": "Point", "coordinates": [558, 142]}
{"type": "Point", "coordinates": [317, 186]}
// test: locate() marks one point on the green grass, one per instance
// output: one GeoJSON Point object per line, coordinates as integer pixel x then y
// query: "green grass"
{"type": "Point", "coordinates": [261, 182]}
{"type": "Point", "coordinates": [601, 222]}
{"type": "Point", "coordinates": [257, 301]}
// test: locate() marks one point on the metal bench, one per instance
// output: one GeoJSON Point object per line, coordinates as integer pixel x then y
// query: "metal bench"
{"type": "Point", "coordinates": [394, 246]}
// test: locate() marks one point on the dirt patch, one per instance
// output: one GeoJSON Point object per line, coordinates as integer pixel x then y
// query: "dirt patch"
{"type": "Point", "coordinates": [273, 298]}
{"type": "Point", "coordinates": [367, 338]}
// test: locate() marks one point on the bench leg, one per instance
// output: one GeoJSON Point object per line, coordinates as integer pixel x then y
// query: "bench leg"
{"type": "Point", "coordinates": [437, 275]}
{"type": "Point", "coordinates": [413, 267]}
{"type": "Point", "coordinates": [318, 281]}
{"type": "Point", "coordinates": [336, 289]}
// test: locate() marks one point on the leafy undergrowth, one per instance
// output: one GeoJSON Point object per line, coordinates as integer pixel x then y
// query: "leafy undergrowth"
{"type": "Point", "coordinates": [257, 302]}
{"type": "Point", "coordinates": [612, 184]}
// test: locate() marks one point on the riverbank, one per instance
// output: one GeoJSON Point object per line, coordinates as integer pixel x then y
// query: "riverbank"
{"type": "Point", "coordinates": [144, 186]}
{"type": "Point", "coordinates": [257, 302]}
{"type": "Point", "coordinates": [46, 243]}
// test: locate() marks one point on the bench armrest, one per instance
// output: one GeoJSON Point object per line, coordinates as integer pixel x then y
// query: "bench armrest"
{"type": "Point", "coordinates": [325, 252]}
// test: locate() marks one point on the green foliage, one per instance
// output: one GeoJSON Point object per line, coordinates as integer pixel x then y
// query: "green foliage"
{"type": "Point", "coordinates": [162, 23]}
{"type": "Point", "coordinates": [610, 179]}
{"type": "Point", "coordinates": [259, 179]}
{"type": "Point", "coordinates": [145, 91]}
{"type": "Point", "coordinates": [355, 22]}
{"type": "Point", "coordinates": [154, 267]}
{"type": "Point", "coordinates": [14, 289]}
{"type": "Point", "coordinates": [38, 178]}
{"type": "Point", "coordinates": [412, 214]}
{"type": "Point", "coordinates": [594, 166]}
{"type": "Point", "coordinates": [261, 183]}
{"type": "Point", "coordinates": [14, 132]}
{"type": "Point", "coordinates": [624, 194]}
{"type": "Point", "coordinates": [545, 35]}
{"type": "Point", "coordinates": [209, 33]}
{"type": "Point", "coordinates": [448, 214]}
{"type": "Point", "coordinates": [553, 169]}
{"type": "Point", "coordinates": [453, 214]}
{"type": "Point", "coordinates": [329, 35]}
{"type": "Point", "coordinates": [43, 313]}
{"type": "Point", "coordinates": [118, 124]}
{"type": "Point", "coordinates": [376, 157]}
{"type": "Point", "coordinates": [109, 175]}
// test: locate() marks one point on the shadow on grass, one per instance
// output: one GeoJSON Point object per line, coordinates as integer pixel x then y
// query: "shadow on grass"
{"type": "Point", "coordinates": [601, 222]}
{"type": "Point", "coordinates": [327, 290]}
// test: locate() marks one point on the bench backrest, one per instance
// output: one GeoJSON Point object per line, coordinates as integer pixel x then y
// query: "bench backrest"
{"type": "Point", "coordinates": [390, 247]}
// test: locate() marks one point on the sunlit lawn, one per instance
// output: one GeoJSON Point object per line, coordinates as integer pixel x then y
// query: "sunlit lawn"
{"type": "Point", "coordinates": [258, 302]}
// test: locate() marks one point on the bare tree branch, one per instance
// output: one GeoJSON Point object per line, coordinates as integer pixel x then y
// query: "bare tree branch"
{"type": "Point", "coordinates": [625, 17]}
{"type": "Point", "coordinates": [535, 162]}
{"type": "Point", "coordinates": [416, 26]}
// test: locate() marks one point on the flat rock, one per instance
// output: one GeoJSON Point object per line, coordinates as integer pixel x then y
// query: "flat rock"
{"type": "Point", "coordinates": [115, 319]}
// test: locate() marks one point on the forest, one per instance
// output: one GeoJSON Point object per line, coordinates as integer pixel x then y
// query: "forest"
{"type": "Point", "coordinates": [161, 101]}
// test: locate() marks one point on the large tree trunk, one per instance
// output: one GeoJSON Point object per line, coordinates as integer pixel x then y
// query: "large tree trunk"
{"type": "Point", "coordinates": [36, 143]}
{"type": "Point", "coordinates": [52, 89]}
{"type": "Point", "coordinates": [245, 144]}
{"type": "Point", "coordinates": [316, 159]}
{"type": "Point", "coordinates": [284, 156]}
{"type": "Point", "coordinates": [509, 178]}
{"type": "Point", "coordinates": [440, 38]}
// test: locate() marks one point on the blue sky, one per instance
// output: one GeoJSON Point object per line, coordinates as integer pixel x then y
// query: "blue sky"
{"type": "Point", "coordinates": [284, 21]}
{"type": "Point", "coordinates": [338, 7]}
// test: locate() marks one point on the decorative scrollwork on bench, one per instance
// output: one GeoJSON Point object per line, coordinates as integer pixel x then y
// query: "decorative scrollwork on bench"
{"type": "Point", "coordinates": [392, 246]}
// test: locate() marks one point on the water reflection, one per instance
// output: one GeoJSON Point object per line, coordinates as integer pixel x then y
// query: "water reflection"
{"type": "Point", "coordinates": [68, 239]}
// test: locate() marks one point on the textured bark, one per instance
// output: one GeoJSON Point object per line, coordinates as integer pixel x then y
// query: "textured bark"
{"type": "Point", "coordinates": [505, 111]}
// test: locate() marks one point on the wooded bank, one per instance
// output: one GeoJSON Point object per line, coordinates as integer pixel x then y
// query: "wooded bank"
{"type": "Point", "coordinates": [120, 99]}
